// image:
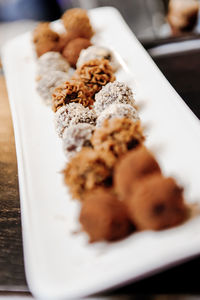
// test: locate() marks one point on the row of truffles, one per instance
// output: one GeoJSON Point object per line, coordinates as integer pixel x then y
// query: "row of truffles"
{"type": "Point", "coordinates": [131, 196]}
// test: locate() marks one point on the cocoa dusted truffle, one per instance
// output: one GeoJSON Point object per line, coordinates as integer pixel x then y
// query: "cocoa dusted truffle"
{"type": "Point", "coordinates": [76, 137]}
{"type": "Point", "coordinates": [71, 114]}
{"type": "Point", "coordinates": [71, 91]}
{"type": "Point", "coordinates": [88, 170]}
{"type": "Point", "coordinates": [118, 111]}
{"type": "Point", "coordinates": [72, 50]}
{"type": "Point", "coordinates": [76, 19]}
{"type": "Point", "coordinates": [95, 74]}
{"type": "Point", "coordinates": [113, 93]}
{"type": "Point", "coordinates": [48, 82]}
{"type": "Point", "coordinates": [45, 39]}
{"type": "Point", "coordinates": [97, 52]}
{"type": "Point", "coordinates": [66, 37]}
{"type": "Point", "coordinates": [104, 217]}
{"type": "Point", "coordinates": [117, 136]}
{"type": "Point", "coordinates": [157, 203]}
{"type": "Point", "coordinates": [51, 61]}
{"type": "Point", "coordinates": [133, 166]}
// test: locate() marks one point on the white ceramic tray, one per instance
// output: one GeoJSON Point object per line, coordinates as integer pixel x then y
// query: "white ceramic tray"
{"type": "Point", "coordinates": [58, 263]}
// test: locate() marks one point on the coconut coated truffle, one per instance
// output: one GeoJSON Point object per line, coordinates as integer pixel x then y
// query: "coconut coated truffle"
{"type": "Point", "coordinates": [157, 203]}
{"type": "Point", "coordinates": [76, 19]}
{"type": "Point", "coordinates": [117, 136]}
{"type": "Point", "coordinates": [51, 61]}
{"type": "Point", "coordinates": [95, 74]}
{"type": "Point", "coordinates": [104, 217]}
{"type": "Point", "coordinates": [118, 111]}
{"type": "Point", "coordinates": [72, 50]}
{"type": "Point", "coordinates": [87, 170]}
{"type": "Point", "coordinates": [97, 52]}
{"type": "Point", "coordinates": [75, 137]}
{"type": "Point", "coordinates": [113, 93]}
{"type": "Point", "coordinates": [71, 114]}
{"type": "Point", "coordinates": [47, 84]}
{"type": "Point", "coordinates": [132, 167]}
{"type": "Point", "coordinates": [71, 91]}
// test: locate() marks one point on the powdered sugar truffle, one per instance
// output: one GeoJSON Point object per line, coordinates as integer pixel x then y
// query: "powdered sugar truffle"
{"type": "Point", "coordinates": [51, 61]}
{"type": "Point", "coordinates": [97, 52]}
{"type": "Point", "coordinates": [117, 111]}
{"type": "Point", "coordinates": [113, 93]}
{"type": "Point", "coordinates": [48, 82]}
{"type": "Point", "coordinates": [71, 114]}
{"type": "Point", "coordinates": [75, 137]}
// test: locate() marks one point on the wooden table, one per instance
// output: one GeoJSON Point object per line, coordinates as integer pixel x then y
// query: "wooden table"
{"type": "Point", "coordinates": [183, 71]}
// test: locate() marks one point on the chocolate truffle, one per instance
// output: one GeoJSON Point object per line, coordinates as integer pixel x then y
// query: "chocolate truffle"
{"type": "Point", "coordinates": [47, 84]}
{"type": "Point", "coordinates": [72, 50]}
{"type": "Point", "coordinates": [75, 137]}
{"type": "Point", "coordinates": [117, 136]}
{"type": "Point", "coordinates": [71, 91]}
{"type": "Point", "coordinates": [87, 170]}
{"type": "Point", "coordinates": [51, 61]}
{"type": "Point", "coordinates": [76, 19]}
{"type": "Point", "coordinates": [45, 40]}
{"type": "Point", "coordinates": [157, 203]}
{"type": "Point", "coordinates": [71, 114]}
{"type": "Point", "coordinates": [118, 111]}
{"type": "Point", "coordinates": [97, 52]}
{"type": "Point", "coordinates": [113, 93]}
{"type": "Point", "coordinates": [182, 15]}
{"type": "Point", "coordinates": [133, 166]}
{"type": "Point", "coordinates": [95, 74]}
{"type": "Point", "coordinates": [66, 37]}
{"type": "Point", "coordinates": [104, 217]}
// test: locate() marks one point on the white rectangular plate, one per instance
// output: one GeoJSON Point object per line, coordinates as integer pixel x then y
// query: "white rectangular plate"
{"type": "Point", "coordinates": [60, 264]}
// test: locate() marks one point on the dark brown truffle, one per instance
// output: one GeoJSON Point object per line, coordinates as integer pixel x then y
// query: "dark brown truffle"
{"type": "Point", "coordinates": [45, 39]}
{"type": "Point", "coordinates": [76, 19]}
{"type": "Point", "coordinates": [104, 217]}
{"type": "Point", "coordinates": [157, 203]}
{"type": "Point", "coordinates": [117, 136]}
{"type": "Point", "coordinates": [132, 167]}
{"type": "Point", "coordinates": [95, 74]}
{"type": "Point", "coordinates": [73, 48]}
{"type": "Point", "coordinates": [87, 170]}
{"type": "Point", "coordinates": [71, 91]}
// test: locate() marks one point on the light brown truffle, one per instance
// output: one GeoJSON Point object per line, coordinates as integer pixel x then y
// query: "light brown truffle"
{"type": "Point", "coordinates": [95, 74]}
{"type": "Point", "coordinates": [67, 37]}
{"type": "Point", "coordinates": [45, 39]}
{"type": "Point", "coordinates": [133, 166]}
{"type": "Point", "coordinates": [87, 170]}
{"type": "Point", "coordinates": [104, 217]}
{"type": "Point", "coordinates": [72, 50]}
{"type": "Point", "coordinates": [71, 91]}
{"type": "Point", "coordinates": [76, 19]}
{"type": "Point", "coordinates": [157, 203]}
{"type": "Point", "coordinates": [117, 136]}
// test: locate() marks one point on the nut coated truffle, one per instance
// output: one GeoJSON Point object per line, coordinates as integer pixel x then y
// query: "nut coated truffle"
{"type": "Point", "coordinates": [51, 61]}
{"type": "Point", "coordinates": [113, 93]}
{"type": "Point", "coordinates": [71, 114]}
{"type": "Point", "coordinates": [118, 111]}
{"type": "Point", "coordinates": [73, 48]}
{"type": "Point", "coordinates": [71, 91]}
{"type": "Point", "coordinates": [157, 203]}
{"type": "Point", "coordinates": [104, 217]}
{"type": "Point", "coordinates": [95, 74]}
{"type": "Point", "coordinates": [133, 166]}
{"type": "Point", "coordinates": [88, 170]}
{"type": "Point", "coordinates": [48, 82]}
{"type": "Point", "coordinates": [76, 137]}
{"type": "Point", "coordinates": [76, 19]}
{"type": "Point", "coordinates": [97, 52]}
{"type": "Point", "coordinates": [117, 136]}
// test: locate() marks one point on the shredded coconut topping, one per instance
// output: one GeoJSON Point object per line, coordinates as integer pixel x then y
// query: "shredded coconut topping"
{"type": "Point", "coordinates": [52, 61]}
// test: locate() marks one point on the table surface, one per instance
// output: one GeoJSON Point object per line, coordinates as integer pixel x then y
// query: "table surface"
{"type": "Point", "coordinates": [183, 72]}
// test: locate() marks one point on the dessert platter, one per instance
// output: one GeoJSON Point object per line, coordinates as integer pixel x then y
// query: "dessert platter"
{"type": "Point", "coordinates": [108, 157]}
